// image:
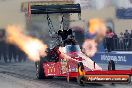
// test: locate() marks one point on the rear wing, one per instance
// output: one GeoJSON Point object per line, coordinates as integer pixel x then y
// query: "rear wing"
{"type": "Point", "coordinates": [50, 9]}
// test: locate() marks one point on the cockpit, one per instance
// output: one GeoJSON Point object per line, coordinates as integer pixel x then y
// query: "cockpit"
{"type": "Point", "coordinates": [72, 48]}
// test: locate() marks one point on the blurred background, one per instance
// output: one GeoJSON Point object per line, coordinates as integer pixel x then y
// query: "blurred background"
{"type": "Point", "coordinates": [105, 9]}
{"type": "Point", "coordinates": [116, 13]}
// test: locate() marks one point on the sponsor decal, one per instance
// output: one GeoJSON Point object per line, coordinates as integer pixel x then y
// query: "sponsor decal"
{"type": "Point", "coordinates": [114, 58]}
{"type": "Point", "coordinates": [107, 78]}
{"type": "Point", "coordinates": [118, 58]}
{"type": "Point", "coordinates": [124, 13]}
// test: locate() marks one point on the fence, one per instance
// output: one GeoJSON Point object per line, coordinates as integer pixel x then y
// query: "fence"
{"type": "Point", "coordinates": [119, 44]}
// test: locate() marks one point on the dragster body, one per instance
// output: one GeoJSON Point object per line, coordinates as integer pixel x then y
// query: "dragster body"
{"type": "Point", "coordinates": [67, 59]}
{"type": "Point", "coordinates": [74, 64]}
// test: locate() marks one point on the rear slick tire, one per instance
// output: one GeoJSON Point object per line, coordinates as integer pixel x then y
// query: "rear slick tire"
{"type": "Point", "coordinates": [39, 70]}
{"type": "Point", "coordinates": [40, 73]}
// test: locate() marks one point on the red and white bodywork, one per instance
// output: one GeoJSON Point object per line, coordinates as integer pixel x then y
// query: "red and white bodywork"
{"type": "Point", "coordinates": [67, 66]}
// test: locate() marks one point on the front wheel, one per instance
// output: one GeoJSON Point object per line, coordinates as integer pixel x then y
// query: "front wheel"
{"type": "Point", "coordinates": [81, 80]}
{"type": "Point", "coordinates": [111, 65]}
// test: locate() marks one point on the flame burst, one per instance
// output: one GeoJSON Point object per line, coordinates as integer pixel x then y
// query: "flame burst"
{"type": "Point", "coordinates": [90, 47]}
{"type": "Point", "coordinates": [97, 28]}
{"type": "Point", "coordinates": [34, 48]}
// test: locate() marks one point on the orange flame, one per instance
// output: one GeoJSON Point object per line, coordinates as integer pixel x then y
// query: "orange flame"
{"type": "Point", "coordinates": [90, 47]}
{"type": "Point", "coordinates": [98, 28]}
{"type": "Point", "coordinates": [33, 47]}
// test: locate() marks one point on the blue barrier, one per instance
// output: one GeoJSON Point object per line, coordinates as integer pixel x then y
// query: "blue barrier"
{"type": "Point", "coordinates": [119, 58]}
{"type": "Point", "coordinates": [124, 13]}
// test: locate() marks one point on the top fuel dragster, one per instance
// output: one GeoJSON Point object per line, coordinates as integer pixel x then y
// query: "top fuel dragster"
{"type": "Point", "coordinates": [67, 60]}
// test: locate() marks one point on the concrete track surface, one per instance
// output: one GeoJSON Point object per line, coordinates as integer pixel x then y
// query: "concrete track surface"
{"type": "Point", "coordinates": [22, 75]}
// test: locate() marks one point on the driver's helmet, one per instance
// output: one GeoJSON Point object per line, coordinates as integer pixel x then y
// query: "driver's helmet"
{"type": "Point", "coordinates": [70, 41]}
